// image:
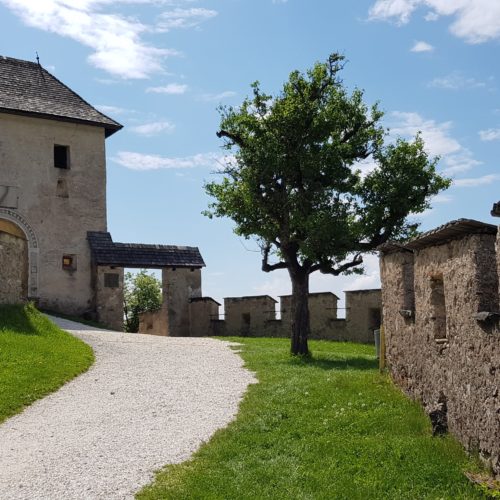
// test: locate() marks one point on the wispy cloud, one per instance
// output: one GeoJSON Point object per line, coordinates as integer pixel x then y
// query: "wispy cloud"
{"type": "Point", "coordinates": [422, 47]}
{"type": "Point", "coordinates": [140, 161]}
{"type": "Point", "coordinates": [153, 128]}
{"type": "Point", "coordinates": [477, 181]}
{"type": "Point", "coordinates": [117, 41]}
{"type": "Point", "coordinates": [112, 110]}
{"type": "Point", "coordinates": [456, 81]}
{"type": "Point", "coordinates": [476, 21]}
{"type": "Point", "coordinates": [438, 140]}
{"type": "Point", "coordinates": [171, 88]}
{"type": "Point", "coordinates": [217, 97]}
{"type": "Point", "coordinates": [183, 18]}
{"type": "Point", "coordinates": [491, 134]}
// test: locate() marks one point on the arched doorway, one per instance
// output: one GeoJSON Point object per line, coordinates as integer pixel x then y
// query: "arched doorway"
{"type": "Point", "coordinates": [13, 263]}
{"type": "Point", "coordinates": [18, 258]}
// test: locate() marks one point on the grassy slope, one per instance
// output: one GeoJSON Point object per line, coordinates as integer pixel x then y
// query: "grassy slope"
{"type": "Point", "coordinates": [36, 357]}
{"type": "Point", "coordinates": [329, 428]}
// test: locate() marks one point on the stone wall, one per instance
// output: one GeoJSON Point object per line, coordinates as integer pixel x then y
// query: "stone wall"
{"type": "Point", "coordinates": [14, 266]}
{"type": "Point", "coordinates": [109, 296]}
{"type": "Point", "coordinates": [248, 316]}
{"type": "Point", "coordinates": [256, 316]}
{"type": "Point", "coordinates": [202, 312]}
{"type": "Point", "coordinates": [437, 350]}
{"type": "Point", "coordinates": [58, 205]}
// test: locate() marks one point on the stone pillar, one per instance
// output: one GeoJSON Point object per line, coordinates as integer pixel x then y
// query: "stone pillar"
{"type": "Point", "coordinates": [179, 286]}
{"type": "Point", "coordinates": [109, 296]}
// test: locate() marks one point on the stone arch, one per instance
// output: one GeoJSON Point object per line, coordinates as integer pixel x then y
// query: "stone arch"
{"type": "Point", "coordinates": [32, 241]}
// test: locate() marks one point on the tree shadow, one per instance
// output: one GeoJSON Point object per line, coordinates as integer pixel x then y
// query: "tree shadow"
{"type": "Point", "coordinates": [17, 318]}
{"type": "Point", "coordinates": [345, 363]}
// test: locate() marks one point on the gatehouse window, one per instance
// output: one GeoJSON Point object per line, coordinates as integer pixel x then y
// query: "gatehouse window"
{"type": "Point", "coordinates": [61, 156]}
{"type": "Point", "coordinates": [111, 280]}
{"type": "Point", "coordinates": [69, 262]}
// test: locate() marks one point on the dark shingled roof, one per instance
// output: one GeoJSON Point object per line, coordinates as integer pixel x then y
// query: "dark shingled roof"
{"type": "Point", "coordinates": [28, 89]}
{"type": "Point", "coordinates": [451, 231]}
{"type": "Point", "coordinates": [105, 252]}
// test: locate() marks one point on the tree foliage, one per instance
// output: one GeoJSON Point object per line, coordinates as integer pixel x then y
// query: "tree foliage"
{"type": "Point", "coordinates": [295, 181]}
{"type": "Point", "coordinates": [142, 293]}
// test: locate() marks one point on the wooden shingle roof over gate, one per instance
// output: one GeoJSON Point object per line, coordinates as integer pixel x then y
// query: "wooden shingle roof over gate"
{"type": "Point", "coordinates": [105, 252]}
{"type": "Point", "coordinates": [26, 88]}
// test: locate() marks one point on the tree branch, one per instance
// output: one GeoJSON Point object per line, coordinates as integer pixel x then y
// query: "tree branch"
{"type": "Point", "coordinates": [328, 269]}
{"type": "Point", "coordinates": [266, 267]}
{"type": "Point", "coordinates": [236, 139]}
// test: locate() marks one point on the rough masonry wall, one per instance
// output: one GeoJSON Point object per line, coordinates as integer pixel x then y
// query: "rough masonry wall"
{"type": "Point", "coordinates": [13, 269]}
{"type": "Point", "coordinates": [363, 315]}
{"type": "Point", "coordinates": [179, 286]}
{"type": "Point", "coordinates": [60, 205]}
{"type": "Point", "coordinates": [109, 296]}
{"type": "Point", "coordinates": [457, 360]}
{"type": "Point", "coordinates": [248, 316]}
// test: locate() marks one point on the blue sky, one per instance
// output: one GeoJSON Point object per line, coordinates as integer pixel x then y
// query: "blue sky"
{"type": "Point", "coordinates": [161, 68]}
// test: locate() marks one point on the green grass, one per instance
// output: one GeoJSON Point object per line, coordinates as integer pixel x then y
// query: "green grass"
{"type": "Point", "coordinates": [36, 357]}
{"type": "Point", "coordinates": [330, 427]}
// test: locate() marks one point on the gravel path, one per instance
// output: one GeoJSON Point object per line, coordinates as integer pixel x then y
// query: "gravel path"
{"type": "Point", "coordinates": [146, 402]}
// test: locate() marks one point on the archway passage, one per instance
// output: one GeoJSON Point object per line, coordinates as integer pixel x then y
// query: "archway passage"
{"type": "Point", "coordinates": [13, 263]}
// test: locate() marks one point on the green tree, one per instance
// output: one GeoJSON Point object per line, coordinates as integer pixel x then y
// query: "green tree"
{"type": "Point", "coordinates": [142, 293]}
{"type": "Point", "coordinates": [295, 184]}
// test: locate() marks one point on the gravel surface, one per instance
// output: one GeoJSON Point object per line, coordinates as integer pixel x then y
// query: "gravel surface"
{"type": "Point", "coordinates": [146, 402]}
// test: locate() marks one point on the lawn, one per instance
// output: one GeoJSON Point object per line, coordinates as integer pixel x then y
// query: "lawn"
{"type": "Point", "coordinates": [327, 428]}
{"type": "Point", "coordinates": [36, 357]}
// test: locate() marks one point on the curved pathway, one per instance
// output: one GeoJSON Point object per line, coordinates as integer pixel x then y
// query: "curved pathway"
{"type": "Point", "coordinates": [146, 402]}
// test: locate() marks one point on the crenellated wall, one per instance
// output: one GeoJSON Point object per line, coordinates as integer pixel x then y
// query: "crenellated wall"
{"type": "Point", "coordinates": [441, 347]}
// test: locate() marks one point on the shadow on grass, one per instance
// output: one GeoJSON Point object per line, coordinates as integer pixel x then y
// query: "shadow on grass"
{"type": "Point", "coordinates": [18, 318]}
{"type": "Point", "coordinates": [347, 363]}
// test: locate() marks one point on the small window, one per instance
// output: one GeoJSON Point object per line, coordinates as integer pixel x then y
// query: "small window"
{"type": "Point", "coordinates": [61, 156]}
{"type": "Point", "coordinates": [69, 262]}
{"type": "Point", "coordinates": [246, 319]}
{"type": "Point", "coordinates": [111, 280]}
{"type": "Point", "coordinates": [438, 308]}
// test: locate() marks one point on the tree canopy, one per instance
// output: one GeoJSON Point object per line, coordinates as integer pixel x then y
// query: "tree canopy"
{"type": "Point", "coordinates": [295, 180]}
{"type": "Point", "coordinates": [142, 293]}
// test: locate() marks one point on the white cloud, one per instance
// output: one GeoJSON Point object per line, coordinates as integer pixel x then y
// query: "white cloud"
{"type": "Point", "coordinates": [183, 18]}
{"type": "Point", "coordinates": [477, 181]}
{"type": "Point", "coordinates": [476, 21]}
{"type": "Point", "coordinates": [441, 198]}
{"type": "Point", "coordinates": [491, 134]}
{"type": "Point", "coordinates": [111, 110]}
{"type": "Point", "coordinates": [456, 81]}
{"type": "Point", "coordinates": [438, 140]}
{"type": "Point", "coordinates": [422, 47]}
{"type": "Point", "coordinates": [217, 97]}
{"type": "Point", "coordinates": [171, 88]}
{"type": "Point", "coordinates": [115, 39]}
{"type": "Point", "coordinates": [140, 161]}
{"type": "Point", "coordinates": [431, 16]}
{"type": "Point", "coordinates": [153, 128]}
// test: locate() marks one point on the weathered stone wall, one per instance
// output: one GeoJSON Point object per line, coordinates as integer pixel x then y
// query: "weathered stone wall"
{"type": "Point", "coordinates": [179, 286]}
{"type": "Point", "coordinates": [154, 322]}
{"type": "Point", "coordinates": [452, 358]}
{"type": "Point", "coordinates": [202, 312]}
{"type": "Point", "coordinates": [248, 316]}
{"type": "Point", "coordinates": [363, 314]}
{"type": "Point", "coordinates": [60, 205]}
{"type": "Point", "coordinates": [109, 296]}
{"type": "Point", "coordinates": [255, 316]}
{"type": "Point", "coordinates": [13, 269]}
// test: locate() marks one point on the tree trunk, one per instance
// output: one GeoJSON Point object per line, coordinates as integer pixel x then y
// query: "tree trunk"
{"type": "Point", "coordinates": [300, 312]}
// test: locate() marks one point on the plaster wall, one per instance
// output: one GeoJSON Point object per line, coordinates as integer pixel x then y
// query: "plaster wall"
{"type": "Point", "coordinates": [60, 205]}
{"type": "Point", "coordinates": [13, 268]}
{"type": "Point", "coordinates": [155, 322]}
{"type": "Point", "coordinates": [458, 360]}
